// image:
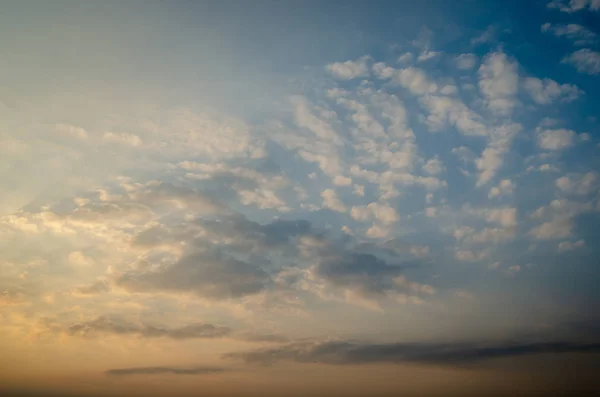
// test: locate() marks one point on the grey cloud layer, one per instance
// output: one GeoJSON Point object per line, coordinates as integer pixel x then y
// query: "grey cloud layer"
{"type": "Point", "coordinates": [345, 353]}
{"type": "Point", "coordinates": [164, 370]}
{"type": "Point", "coordinates": [120, 327]}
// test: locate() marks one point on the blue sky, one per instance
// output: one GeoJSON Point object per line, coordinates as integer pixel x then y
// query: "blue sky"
{"type": "Point", "coordinates": [203, 188]}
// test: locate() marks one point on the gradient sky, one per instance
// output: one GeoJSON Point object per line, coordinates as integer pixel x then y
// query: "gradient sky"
{"type": "Point", "coordinates": [236, 198]}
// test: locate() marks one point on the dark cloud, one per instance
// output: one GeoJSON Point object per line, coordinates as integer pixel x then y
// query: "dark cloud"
{"type": "Point", "coordinates": [366, 273]}
{"type": "Point", "coordinates": [120, 327]}
{"type": "Point", "coordinates": [164, 370]}
{"type": "Point", "coordinates": [211, 275]}
{"type": "Point", "coordinates": [344, 353]}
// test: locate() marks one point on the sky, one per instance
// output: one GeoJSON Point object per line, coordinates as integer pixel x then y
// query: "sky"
{"type": "Point", "coordinates": [240, 198]}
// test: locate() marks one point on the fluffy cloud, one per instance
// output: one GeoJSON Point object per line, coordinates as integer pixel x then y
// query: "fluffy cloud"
{"type": "Point", "coordinates": [499, 82]}
{"type": "Point", "coordinates": [382, 212]}
{"type": "Point", "coordinates": [578, 184]}
{"type": "Point", "coordinates": [555, 139]}
{"type": "Point", "coordinates": [331, 201]}
{"type": "Point", "coordinates": [350, 69]}
{"type": "Point", "coordinates": [547, 91]}
{"type": "Point", "coordinates": [505, 187]}
{"type": "Point", "coordinates": [568, 245]}
{"type": "Point", "coordinates": [585, 60]}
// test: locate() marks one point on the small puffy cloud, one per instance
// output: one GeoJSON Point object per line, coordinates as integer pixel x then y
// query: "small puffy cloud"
{"type": "Point", "coordinates": [578, 184]}
{"type": "Point", "coordinates": [585, 60]}
{"type": "Point", "coordinates": [555, 139]}
{"type": "Point", "coordinates": [546, 91]}
{"type": "Point", "coordinates": [507, 217]}
{"type": "Point", "coordinates": [469, 256]}
{"type": "Point", "coordinates": [427, 55]}
{"type": "Point", "coordinates": [413, 79]}
{"type": "Point", "coordinates": [95, 288]}
{"type": "Point", "coordinates": [568, 245]}
{"type": "Point", "coordinates": [382, 212]}
{"type": "Point", "coordinates": [407, 57]}
{"type": "Point", "coordinates": [331, 201]}
{"type": "Point", "coordinates": [341, 180]}
{"type": "Point", "coordinates": [504, 188]}
{"type": "Point", "coordinates": [444, 110]}
{"type": "Point", "coordinates": [359, 190]}
{"type": "Point", "coordinates": [559, 227]}
{"type": "Point", "coordinates": [580, 35]}
{"type": "Point", "coordinates": [466, 61]}
{"type": "Point", "coordinates": [574, 5]}
{"type": "Point", "coordinates": [433, 166]}
{"type": "Point", "coordinates": [350, 69]}
{"type": "Point", "coordinates": [498, 82]}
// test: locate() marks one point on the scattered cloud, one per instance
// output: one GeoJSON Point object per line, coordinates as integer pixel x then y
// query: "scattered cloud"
{"type": "Point", "coordinates": [585, 60]}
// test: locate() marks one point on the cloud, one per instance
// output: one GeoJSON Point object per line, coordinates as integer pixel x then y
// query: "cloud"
{"type": "Point", "coordinates": [413, 79]}
{"type": "Point", "coordinates": [492, 157]}
{"type": "Point", "coordinates": [77, 258]}
{"type": "Point", "coordinates": [568, 245]}
{"type": "Point", "coordinates": [117, 326]}
{"type": "Point", "coordinates": [350, 69]}
{"type": "Point", "coordinates": [382, 212]}
{"type": "Point", "coordinates": [580, 35]}
{"type": "Point", "coordinates": [574, 5]}
{"type": "Point", "coordinates": [427, 55]}
{"type": "Point", "coordinates": [546, 91]}
{"type": "Point", "coordinates": [585, 60]}
{"type": "Point", "coordinates": [578, 184]}
{"type": "Point", "coordinates": [498, 82]}
{"type": "Point", "coordinates": [559, 227]}
{"type": "Point", "coordinates": [504, 188]}
{"type": "Point", "coordinates": [331, 201]}
{"type": "Point", "coordinates": [164, 370]}
{"type": "Point", "coordinates": [352, 353]}
{"type": "Point", "coordinates": [444, 110]}
{"type": "Point", "coordinates": [555, 139]}
{"type": "Point", "coordinates": [466, 61]}
{"type": "Point", "coordinates": [211, 275]}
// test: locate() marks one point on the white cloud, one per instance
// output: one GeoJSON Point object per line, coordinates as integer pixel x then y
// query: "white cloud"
{"type": "Point", "coordinates": [350, 69]}
{"type": "Point", "coordinates": [331, 201]}
{"type": "Point", "coordinates": [444, 110]}
{"type": "Point", "coordinates": [433, 166]}
{"type": "Point", "coordinates": [580, 35]}
{"type": "Point", "coordinates": [413, 79]}
{"type": "Point", "coordinates": [427, 55]}
{"type": "Point", "coordinates": [559, 227]}
{"type": "Point", "coordinates": [498, 82]}
{"type": "Point", "coordinates": [574, 5]}
{"type": "Point", "coordinates": [547, 91]}
{"type": "Point", "coordinates": [359, 190]}
{"type": "Point", "coordinates": [407, 57]}
{"type": "Point", "coordinates": [469, 256]}
{"type": "Point", "coordinates": [466, 61]}
{"type": "Point", "coordinates": [382, 212]}
{"type": "Point", "coordinates": [506, 217]}
{"type": "Point", "coordinates": [492, 157]}
{"type": "Point", "coordinates": [341, 180]}
{"type": "Point", "coordinates": [585, 60]}
{"type": "Point", "coordinates": [568, 245]}
{"type": "Point", "coordinates": [578, 184]}
{"type": "Point", "coordinates": [504, 188]}
{"type": "Point", "coordinates": [555, 139]}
